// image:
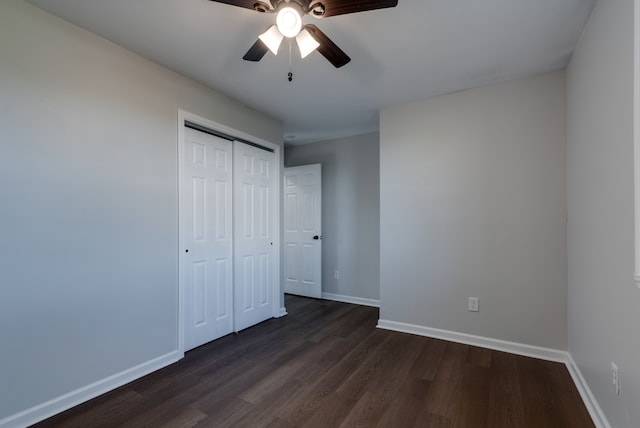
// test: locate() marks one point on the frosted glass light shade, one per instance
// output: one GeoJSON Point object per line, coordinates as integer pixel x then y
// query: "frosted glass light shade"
{"type": "Point", "coordinates": [272, 38]}
{"type": "Point", "coordinates": [306, 43]}
{"type": "Point", "coordinates": [289, 21]}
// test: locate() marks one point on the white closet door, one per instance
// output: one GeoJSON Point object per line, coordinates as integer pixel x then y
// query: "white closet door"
{"type": "Point", "coordinates": [253, 175]}
{"type": "Point", "coordinates": [207, 230]}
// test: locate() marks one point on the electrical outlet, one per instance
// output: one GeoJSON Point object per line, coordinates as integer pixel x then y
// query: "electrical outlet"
{"type": "Point", "coordinates": [336, 274]}
{"type": "Point", "coordinates": [473, 304]}
{"type": "Point", "coordinates": [615, 377]}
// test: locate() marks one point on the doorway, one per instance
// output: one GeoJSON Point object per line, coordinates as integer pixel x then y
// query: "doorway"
{"type": "Point", "coordinates": [303, 230]}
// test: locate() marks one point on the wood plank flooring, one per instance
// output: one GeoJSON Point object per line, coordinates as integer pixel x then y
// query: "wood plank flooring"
{"type": "Point", "coordinates": [326, 365]}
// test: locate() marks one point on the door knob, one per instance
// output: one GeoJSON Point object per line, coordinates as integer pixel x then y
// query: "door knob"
{"type": "Point", "coordinates": [317, 237]}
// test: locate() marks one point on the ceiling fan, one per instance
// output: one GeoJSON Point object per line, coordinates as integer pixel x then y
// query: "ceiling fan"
{"type": "Point", "coordinates": [289, 15]}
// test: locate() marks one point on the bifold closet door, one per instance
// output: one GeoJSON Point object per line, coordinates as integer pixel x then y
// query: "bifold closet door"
{"type": "Point", "coordinates": [208, 237]}
{"type": "Point", "coordinates": [253, 176]}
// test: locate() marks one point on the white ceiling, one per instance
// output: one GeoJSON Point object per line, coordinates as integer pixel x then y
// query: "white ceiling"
{"type": "Point", "coordinates": [419, 49]}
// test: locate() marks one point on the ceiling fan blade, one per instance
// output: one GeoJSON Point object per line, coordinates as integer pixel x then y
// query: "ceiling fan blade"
{"type": "Point", "coordinates": [256, 52]}
{"type": "Point", "coordinates": [327, 48]}
{"type": "Point", "coordinates": [259, 5]}
{"type": "Point", "coordinates": [342, 7]}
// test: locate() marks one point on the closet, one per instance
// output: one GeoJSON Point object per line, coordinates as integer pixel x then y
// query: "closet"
{"type": "Point", "coordinates": [228, 209]}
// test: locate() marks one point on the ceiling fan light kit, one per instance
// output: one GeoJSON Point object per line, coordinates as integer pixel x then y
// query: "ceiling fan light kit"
{"type": "Point", "coordinates": [289, 19]}
{"type": "Point", "coordinates": [306, 43]}
{"type": "Point", "coordinates": [289, 14]}
{"type": "Point", "coordinates": [272, 38]}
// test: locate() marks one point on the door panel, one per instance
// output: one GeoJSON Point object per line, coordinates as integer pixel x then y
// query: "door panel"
{"type": "Point", "coordinates": [253, 246]}
{"type": "Point", "coordinates": [207, 204]}
{"type": "Point", "coordinates": [302, 222]}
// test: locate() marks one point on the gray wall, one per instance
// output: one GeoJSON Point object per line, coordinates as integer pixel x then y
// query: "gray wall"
{"type": "Point", "coordinates": [88, 204]}
{"type": "Point", "coordinates": [350, 211]}
{"type": "Point", "coordinates": [472, 191]}
{"type": "Point", "coordinates": [603, 315]}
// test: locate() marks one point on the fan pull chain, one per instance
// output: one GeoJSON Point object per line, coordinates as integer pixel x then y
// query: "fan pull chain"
{"type": "Point", "coordinates": [290, 75]}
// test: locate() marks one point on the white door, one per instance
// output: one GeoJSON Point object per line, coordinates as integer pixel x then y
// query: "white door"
{"type": "Point", "coordinates": [303, 230]}
{"type": "Point", "coordinates": [253, 174]}
{"type": "Point", "coordinates": [207, 231]}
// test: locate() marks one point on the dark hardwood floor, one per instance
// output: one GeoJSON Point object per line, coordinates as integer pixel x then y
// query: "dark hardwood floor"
{"type": "Point", "coordinates": [326, 365]}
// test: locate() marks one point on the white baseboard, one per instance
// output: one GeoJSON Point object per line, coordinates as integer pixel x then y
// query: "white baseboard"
{"type": "Point", "coordinates": [484, 342]}
{"type": "Point", "coordinates": [73, 398]}
{"type": "Point", "coordinates": [599, 419]}
{"type": "Point", "coordinates": [351, 299]}
{"type": "Point", "coordinates": [283, 312]}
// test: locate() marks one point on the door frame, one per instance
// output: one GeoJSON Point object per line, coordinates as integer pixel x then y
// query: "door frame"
{"type": "Point", "coordinates": [276, 220]}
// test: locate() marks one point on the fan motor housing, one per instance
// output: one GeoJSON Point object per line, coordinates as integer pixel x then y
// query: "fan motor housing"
{"type": "Point", "coordinates": [312, 7]}
{"type": "Point", "coordinates": [317, 9]}
{"type": "Point", "coordinates": [261, 7]}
